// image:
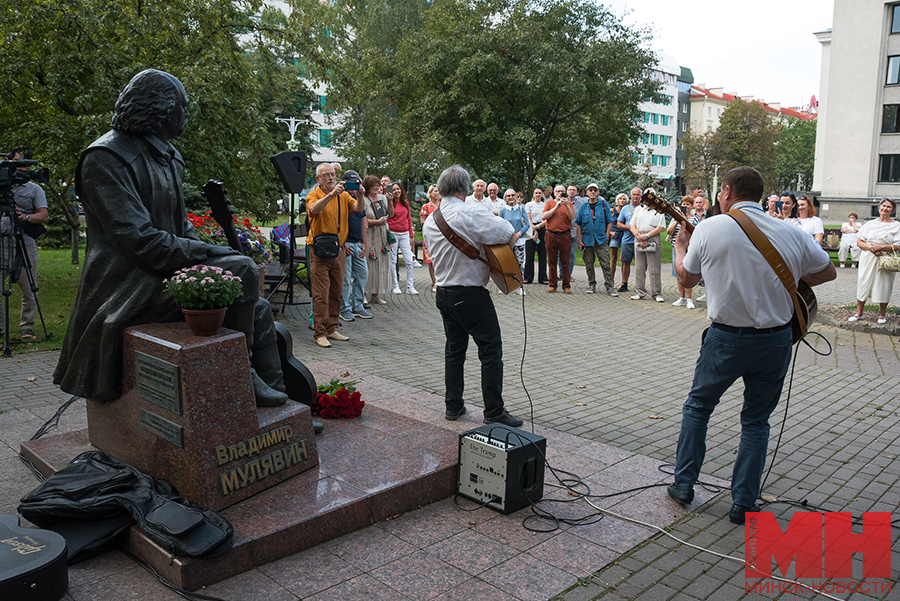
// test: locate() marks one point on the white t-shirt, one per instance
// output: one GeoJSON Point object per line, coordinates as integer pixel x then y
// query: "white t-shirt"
{"type": "Point", "coordinates": [451, 266]}
{"type": "Point", "coordinates": [535, 210]}
{"type": "Point", "coordinates": [742, 289]}
{"type": "Point", "coordinates": [812, 226]}
{"type": "Point", "coordinates": [484, 203]}
{"type": "Point", "coordinates": [848, 238]}
{"type": "Point", "coordinates": [645, 219]}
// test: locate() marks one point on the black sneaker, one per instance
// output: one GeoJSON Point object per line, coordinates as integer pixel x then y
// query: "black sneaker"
{"type": "Point", "coordinates": [591, 289]}
{"type": "Point", "coordinates": [623, 287]}
{"type": "Point", "coordinates": [736, 515]}
{"type": "Point", "coordinates": [452, 416]}
{"type": "Point", "coordinates": [504, 418]}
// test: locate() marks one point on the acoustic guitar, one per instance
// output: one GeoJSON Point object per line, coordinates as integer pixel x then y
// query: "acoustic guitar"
{"type": "Point", "coordinates": [651, 200]}
{"type": "Point", "coordinates": [805, 304]}
{"type": "Point", "coordinates": [500, 258]}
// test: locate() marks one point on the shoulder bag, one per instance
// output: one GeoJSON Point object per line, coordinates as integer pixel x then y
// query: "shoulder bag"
{"type": "Point", "coordinates": [328, 246]}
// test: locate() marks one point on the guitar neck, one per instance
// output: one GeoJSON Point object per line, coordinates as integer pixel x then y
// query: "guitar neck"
{"type": "Point", "coordinates": [680, 218]}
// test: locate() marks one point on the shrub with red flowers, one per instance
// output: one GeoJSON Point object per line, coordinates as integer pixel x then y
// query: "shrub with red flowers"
{"type": "Point", "coordinates": [337, 399]}
{"type": "Point", "coordinates": [252, 240]}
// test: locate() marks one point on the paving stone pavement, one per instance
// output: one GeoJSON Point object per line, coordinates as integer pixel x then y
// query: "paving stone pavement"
{"type": "Point", "coordinates": [604, 369]}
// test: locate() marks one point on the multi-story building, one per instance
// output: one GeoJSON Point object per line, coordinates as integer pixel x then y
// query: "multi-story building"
{"type": "Point", "coordinates": [685, 79]}
{"type": "Point", "coordinates": [858, 132]}
{"type": "Point", "coordinates": [708, 104]}
{"type": "Point", "coordinates": [655, 148]}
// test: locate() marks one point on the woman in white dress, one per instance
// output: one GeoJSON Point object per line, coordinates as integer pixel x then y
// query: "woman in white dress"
{"type": "Point", "coordinates": [849, 230]}
{"type": "Point", "coordinates": [876, 238]}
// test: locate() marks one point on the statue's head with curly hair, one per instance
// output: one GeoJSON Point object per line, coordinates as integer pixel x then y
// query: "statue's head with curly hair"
{"type": "Point", "coordinates": [153, 103]}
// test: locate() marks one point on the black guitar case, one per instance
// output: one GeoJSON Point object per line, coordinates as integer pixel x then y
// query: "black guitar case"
{"type": "Point", "coordinates": [32, 563]}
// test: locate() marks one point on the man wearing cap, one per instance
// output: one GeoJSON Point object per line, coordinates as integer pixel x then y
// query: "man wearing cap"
{"type": "Point", "coordinates": [329, 208]}
{"type": "Point", "coordinates": [592, 225]}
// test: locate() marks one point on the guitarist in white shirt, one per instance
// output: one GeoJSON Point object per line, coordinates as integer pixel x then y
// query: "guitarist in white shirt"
{"type": "Point", "coordinates": [463, 299]}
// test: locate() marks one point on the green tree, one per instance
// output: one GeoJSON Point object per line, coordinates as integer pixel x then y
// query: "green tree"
{"type": "Point", "coordinates": [700, 160]}
{"type": "Point", "coordinates": [795, 154]}
{"type": "Point", "coordinates": [516, 83]}
{"type": "Point", "coordinates": [747, 136]}
{"type": "Point", "coordinates": [65, 61]}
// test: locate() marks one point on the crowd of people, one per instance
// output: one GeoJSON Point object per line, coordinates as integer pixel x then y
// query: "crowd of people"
{"type": "Point", "coordinates": [559, 220]}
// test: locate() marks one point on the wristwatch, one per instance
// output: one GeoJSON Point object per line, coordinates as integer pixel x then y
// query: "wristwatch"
{"type": "Point", "coordinates": [28, 218]}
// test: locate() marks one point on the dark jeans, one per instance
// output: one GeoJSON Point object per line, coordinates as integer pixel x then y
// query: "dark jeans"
{"type": "Point", "coordinates": [761, 360]}
{"type": "Point", "coordinates": [541, 250]}
{"type": "Point", "coordinates": [469, 311]}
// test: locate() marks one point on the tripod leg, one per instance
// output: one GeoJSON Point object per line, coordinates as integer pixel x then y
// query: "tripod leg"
{"type": "Point", "coordinates": [30, 303]}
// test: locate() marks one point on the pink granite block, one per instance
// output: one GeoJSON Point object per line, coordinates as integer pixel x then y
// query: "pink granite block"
{"type": "Point", "coordinates": [419, 576]}
{"type": "Point", "coordinates": [528, 578]}
{"type": "Point", "coordinates": [471, 552]}
{"type": "Point", "coordinates": [573, 554]}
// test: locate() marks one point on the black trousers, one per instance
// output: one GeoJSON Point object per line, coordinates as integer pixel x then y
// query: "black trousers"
{"type": "Point", "coordinates": [541, 250]}
{"type": "Point", "coordinates": [469, 311]}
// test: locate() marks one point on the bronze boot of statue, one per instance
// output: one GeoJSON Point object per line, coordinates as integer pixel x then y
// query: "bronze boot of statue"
{"type": "Point", "coordinates": [256, 322]}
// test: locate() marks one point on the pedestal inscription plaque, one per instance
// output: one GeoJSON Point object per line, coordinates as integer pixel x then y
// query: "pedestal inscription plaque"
{"type": "Point", "coordinates": [188, 415]}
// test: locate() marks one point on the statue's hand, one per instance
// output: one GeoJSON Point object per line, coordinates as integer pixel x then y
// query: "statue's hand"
{"type": "Point", "coordinates": [220, 251]}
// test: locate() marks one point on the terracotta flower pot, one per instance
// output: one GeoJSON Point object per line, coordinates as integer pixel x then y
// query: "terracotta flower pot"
{"type": "Point", "coordinates": [204, 322]}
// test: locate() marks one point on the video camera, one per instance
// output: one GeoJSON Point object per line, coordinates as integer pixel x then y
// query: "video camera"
{"type": "Point", "coordinates": [13, 171]}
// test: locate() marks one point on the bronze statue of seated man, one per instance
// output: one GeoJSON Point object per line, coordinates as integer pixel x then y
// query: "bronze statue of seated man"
{"type": "Point", "coordinates": [130, 182]}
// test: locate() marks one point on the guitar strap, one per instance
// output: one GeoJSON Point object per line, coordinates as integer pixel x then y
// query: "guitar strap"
{"type": "Point", "coordinates": [456, 240]}
{"type": "Point", "coordinates": [775, 260]}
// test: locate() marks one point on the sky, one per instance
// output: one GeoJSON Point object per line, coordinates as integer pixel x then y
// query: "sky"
{"type": "Point", "coordinates": [765, 49]}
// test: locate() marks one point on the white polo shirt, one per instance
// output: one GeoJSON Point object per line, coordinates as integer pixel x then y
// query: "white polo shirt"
{"type": "Point", "coordinates": [742, 289]}
{"type": "Point", "coordinates": [475, 225]}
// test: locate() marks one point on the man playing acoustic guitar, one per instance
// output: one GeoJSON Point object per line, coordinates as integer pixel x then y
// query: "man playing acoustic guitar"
{"type": "Point", "coordinates": [750, 335]}
{"type": "Point", "coordinates": [462, 298]}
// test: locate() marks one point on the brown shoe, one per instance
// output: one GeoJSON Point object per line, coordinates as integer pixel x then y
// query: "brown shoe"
{"type": "Point", "coordinates": [323, 342]}
{"type": "Point", "coordinates": [551, 289]}
{"type": "Point", "coordinates": [567, 290]}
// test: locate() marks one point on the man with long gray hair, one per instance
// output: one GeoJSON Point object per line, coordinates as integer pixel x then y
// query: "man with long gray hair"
{"type": "Point", "coordinates": [462, 297]}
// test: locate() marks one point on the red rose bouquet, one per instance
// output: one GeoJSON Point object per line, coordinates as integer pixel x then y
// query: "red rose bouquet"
{"type": "Point", "coordinates": [337, 399]}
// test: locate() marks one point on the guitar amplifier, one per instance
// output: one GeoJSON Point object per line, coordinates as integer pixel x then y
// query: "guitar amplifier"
{"type": "Point", "coordinates": [501, 467]}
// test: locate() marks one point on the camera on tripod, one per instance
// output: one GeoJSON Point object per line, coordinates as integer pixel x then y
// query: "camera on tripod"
{"type": "Point", "coordinates": [15, 171]}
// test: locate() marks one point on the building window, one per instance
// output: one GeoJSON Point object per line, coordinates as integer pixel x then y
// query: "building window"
{"type": "Point", "coordinates": [889, 168]}
{"type": "Point", "coordinates": [665, 119]}
{"type": "Point", "coordinates": [709, 111]}
{"type": "Point", "coordinates": [655, 118]}
{"type": "Point", "coordinates": [684, 108]}
{"type": "Point", "coordinates": [890, 119]}
{"type": "Point", "coordinates": [323, 101]}
{"type": "Point", "coordinates": [655, 160]}
{"type": "Point", "coordinates": [646, 117]}
{"type": "Point", "coordinates": [718, 112]}
{"type": "Point", "coordinates": [893, 72]}
{"type": "Point", "coordinates": [646, 138]}
{"type": "Point", "coordinates": [684, 126]}
{"type": "Point", "coordinates": [325, 138]}
{"type": "Point", "coordinates": [895, 19]}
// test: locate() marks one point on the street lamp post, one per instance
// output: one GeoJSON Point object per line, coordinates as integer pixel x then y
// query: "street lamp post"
{"type": "Point", "coordinates": [293, 123]}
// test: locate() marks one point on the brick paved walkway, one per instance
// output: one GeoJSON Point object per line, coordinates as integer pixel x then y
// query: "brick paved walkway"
{"type": "Point", "coordinates": [609, 370]}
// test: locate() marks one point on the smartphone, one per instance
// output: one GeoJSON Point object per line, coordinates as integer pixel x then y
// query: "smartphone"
{"type": "Point", "coordinates": [778, 204]}
{"type": "Point", "coordinates": [351, 185]}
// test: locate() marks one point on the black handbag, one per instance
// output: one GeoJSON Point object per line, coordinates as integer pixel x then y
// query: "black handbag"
{"type": "Point", "coordinates": [328, 246]}
{"type": "Point", "coordinates": [35, 230]}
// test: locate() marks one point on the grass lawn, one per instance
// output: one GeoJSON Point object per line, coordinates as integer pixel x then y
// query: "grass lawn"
{"type": "Point", "coordinates": [57, 285]}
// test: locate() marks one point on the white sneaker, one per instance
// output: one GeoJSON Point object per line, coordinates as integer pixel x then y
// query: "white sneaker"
{"type": "Point", "coordinates": [637, 297]}
{"type": "Point", "coordinates": [853, 318]}
{"type": "Point", "coordinates": [397, 290]}
{"type": "Point", "coordinates": [520, 291]}
{"type": "Point", "coordinates": [659, 299]}
{"type": "Point", "coordinates": [690, 304]}
{"type": "Point", "coordinates": [416, 263]}
{"type": "Point", "coordinates": [882, 320]}
{"type": "Point", "coordinates": [410, 291]}
{"type": "Point", "coordinates": [679, 303]}
{"type": "Point", "coordinates": [701, 298]}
